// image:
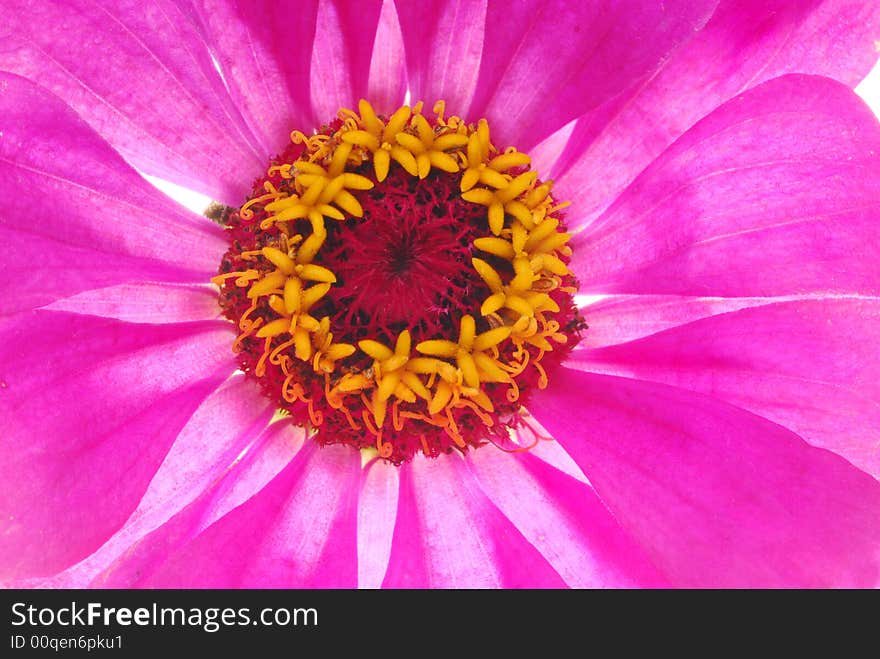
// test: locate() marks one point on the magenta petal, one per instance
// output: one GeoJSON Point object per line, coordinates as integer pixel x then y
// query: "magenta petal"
{"type": "Point", "coordinates": [386, 88]}
{"type": "Point", "coordinates": [144, 303]}
{"type": "Point", "coordinates": [263, 49]}
{"type": "Point", "coordinates": [298, 531]}
{"type": "Point", "coordinates": [715, 495]}
{"type": "Point", "coordinates": [550, 451]}
{"type": "Point", "coordinates": [444, 45]}
{"type": "Point", "coordinates": [810, 365]}
{"type": "Point", "coordinates": [774, 193]}
{"type": "Point", "coordinates": [76, 217]}
{"type": "Point", "coordinates": [143, 78]}
{"type": "Point", "coordinates": [745, 43]}
{"type": "Point", "coordinates": [219, 430]}
{"type": "Point", "coordinates": [290, 65]}
{"type": "Point", "coordinates": [450, 535]}
{"type": "Point", "coordinates": [264, 459]}
{"type": "Point", "coordinates": [340, 64]}
{"type": "Point", "coordinates": [214, 437]}
{"type": "Point", "coordinates": [545, 64]}
{"type": "Point", "coordinates": [622, 318]}
{"type": "Point", "coordinates": [565, 521]}
{"type": "Point", "coordinates": [377, 515]}
{"type": "Point", "coordinates": [90, 407]}
{"type": "Point", "coordinates": [546, 153]}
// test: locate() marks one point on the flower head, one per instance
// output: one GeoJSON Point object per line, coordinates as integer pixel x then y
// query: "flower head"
{"type": "Point", "coordinates": [400, 385]}
{"type": "Point", "coordinates": [400, 266]}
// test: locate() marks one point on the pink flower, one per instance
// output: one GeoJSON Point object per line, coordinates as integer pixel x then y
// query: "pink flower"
{"type": "Point", "coordinates": [718, 424]}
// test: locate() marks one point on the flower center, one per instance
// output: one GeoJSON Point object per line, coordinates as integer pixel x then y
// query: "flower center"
{"type": "Point", "coordinates": [399, 283]}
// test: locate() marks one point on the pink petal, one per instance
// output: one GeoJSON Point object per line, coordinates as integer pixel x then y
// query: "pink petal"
{"type": "Point", "coordinates": [76, 217]}
{"type": "Point", "coordinates": [144, 303]}
{"type": "Point", "coordinates": [444, 44]}
{"type": "Point", "coordinates": [774, 193]}
{"type": "Point", "coordinates": [377, 514]}
{"type": "Point", "coordinates": [222, 426]}
{"type": "Point", "coordinates": [266, 457]}
{"type": "Point", "coordinates": [622, 318]}
{"type": "Point", "coordinates": [340, 65]}
{"type": "Point", "coordinates": [548, 450]}
{"type": "Point", "coordinates": [449, 535]}
{"type": "Point", "coordinates": [715, 495]}
{"type": "Point", "coordinates": [809, 365]}
{"type": "Point", "coordinates": [263, 49]}
{"type": "Point", "coordinates": [289, 65]}
{"type": "Point", "coordinates": [143, 78]}
{"type": "Point", "coordinates": [386, 87]}
{"type": "Point", "coordinates": [564, 520]}
{"type": "Point", "coordinates": [90, 408]}
{"type": "Point", "coordinates": [298, 531]}
{"type": "Point", "coordinates": [547, 153]}
{"type": "Point", "coordinates": [548, 63]}
{"type": "Point", "coordinates": [744, 44]}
